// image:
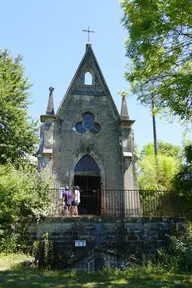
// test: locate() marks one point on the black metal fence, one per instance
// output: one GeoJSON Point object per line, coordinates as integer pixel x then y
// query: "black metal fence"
{"type": "Point", "coordinates": [121, 202]}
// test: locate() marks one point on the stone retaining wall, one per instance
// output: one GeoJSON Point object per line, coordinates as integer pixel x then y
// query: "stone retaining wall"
{"type": "Point", "coordinates": [96, 242]}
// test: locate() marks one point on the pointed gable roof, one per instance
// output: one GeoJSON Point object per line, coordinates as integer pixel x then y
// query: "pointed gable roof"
{"type": "Point", "coordinates": [100, 87]}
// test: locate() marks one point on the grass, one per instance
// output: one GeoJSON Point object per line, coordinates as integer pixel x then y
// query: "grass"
{"type": "Point", "coordinates": [13, 275]}
{"type": "Point", "coordinates": [12, 260]}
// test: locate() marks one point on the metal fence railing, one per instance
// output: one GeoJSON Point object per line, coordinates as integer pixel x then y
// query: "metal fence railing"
{"type": "Point", "coordinates": [121, 202]}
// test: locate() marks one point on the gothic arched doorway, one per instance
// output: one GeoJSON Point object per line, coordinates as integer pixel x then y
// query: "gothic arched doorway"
{"type": "Point", "coordinates": [87, 177]}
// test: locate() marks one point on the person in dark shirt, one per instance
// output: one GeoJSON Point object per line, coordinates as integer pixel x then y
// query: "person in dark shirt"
{"type": "Point", "coordinates": [67, 197]}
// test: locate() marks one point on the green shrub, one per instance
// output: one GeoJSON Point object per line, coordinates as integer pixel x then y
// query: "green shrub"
{"type": "Point", "coordinates": [178, 254]}
{"type": "Point", "coordinates": [24, 196]}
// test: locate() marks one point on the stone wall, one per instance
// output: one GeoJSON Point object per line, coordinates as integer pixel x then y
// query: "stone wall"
{"type": "Point", "coordinates": [97, 242]}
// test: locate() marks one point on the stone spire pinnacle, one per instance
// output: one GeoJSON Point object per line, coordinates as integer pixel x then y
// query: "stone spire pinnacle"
{"type": "Point", "coordinates": [50, 106]}
{"type": "Point", "coordinates": [124, 110]}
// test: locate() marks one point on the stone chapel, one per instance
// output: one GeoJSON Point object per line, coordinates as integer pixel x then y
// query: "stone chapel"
{"type": "Point", "coordinates": [87, 142]}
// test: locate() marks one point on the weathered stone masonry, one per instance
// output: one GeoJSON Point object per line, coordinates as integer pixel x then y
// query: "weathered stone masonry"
{"type": "Point", "coordinates": [111, 148]}
{"type": "Point", "coordinates": [112, 240]}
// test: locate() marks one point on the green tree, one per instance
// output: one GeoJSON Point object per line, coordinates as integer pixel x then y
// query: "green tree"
{"type": "Point", "coordinates": [188, 153]}
{"type": "Point", "coordinates": [148, 149]}
{"type": "Point", "coordinates": [157, 173]}
{"type": "Point", "coordinates": [164, 148]}
{"type": "Point", "coordinates": [159, 48]}
{"type": "Point", "coordinates": [169, 149]}
{"type": "Point", "coordinates": [25, 195]}
{"type": "Point", "coordinates": [17, 131]}
{"type": "Point", "coordinates": [183, 179]}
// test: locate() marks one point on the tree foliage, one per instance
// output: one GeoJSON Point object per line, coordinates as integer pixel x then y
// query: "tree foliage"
{"type": "Point", "coordinates": [164, 148]}
{"type": "Point", "coordinates": [183, 179]}
{"type": "Point", "coordinates": [188, 153]}
{"type": "Point", "coordinates": [157, 173]}
{"type": "Point", "coordinates": [159, 46]}
{"type": "Point", "coordinates": [171, 170]}
{"type": "Point", "coordinates": [17, 131]}
{"type": "Point", "coordinates": [24, 197]}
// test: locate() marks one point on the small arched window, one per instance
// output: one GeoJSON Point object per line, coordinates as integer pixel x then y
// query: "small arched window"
{"type": "Point", "coordinates": [88, 78]}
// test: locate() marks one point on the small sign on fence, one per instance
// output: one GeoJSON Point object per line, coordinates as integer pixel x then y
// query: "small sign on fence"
{"type": "Point", "coordinates": [80, 243]}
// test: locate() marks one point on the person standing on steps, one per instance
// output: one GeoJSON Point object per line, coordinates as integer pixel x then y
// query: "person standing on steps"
{"type": "Point", "coordinates": [76, 201]}
{"type": "Point", "coordinates": [67, 197]}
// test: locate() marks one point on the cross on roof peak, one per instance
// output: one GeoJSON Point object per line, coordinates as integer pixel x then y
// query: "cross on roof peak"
{"type": "Point", "coordinates": [88, 32]}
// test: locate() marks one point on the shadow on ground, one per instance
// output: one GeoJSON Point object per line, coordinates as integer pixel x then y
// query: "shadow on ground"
{"type": "Point", "coordinates": [33, 278]}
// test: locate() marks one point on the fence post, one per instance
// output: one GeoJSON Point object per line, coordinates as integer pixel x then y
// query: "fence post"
{"type": "Point", "coordinates": [41, 254]}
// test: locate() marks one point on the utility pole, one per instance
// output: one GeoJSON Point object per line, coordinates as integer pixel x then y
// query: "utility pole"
{"type": "Point", "coordinates": [154, 126]}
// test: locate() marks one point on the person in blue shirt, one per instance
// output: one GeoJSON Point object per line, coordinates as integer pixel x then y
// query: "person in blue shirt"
{"type": "Point", "coordinates": [67, 197]}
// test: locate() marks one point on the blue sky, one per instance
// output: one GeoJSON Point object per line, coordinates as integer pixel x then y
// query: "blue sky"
{"type": "Point", "coordinates": [48, 34]}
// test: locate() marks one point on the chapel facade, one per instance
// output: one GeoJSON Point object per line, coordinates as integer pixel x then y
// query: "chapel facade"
{"type": "Point", "coordinates": [87, 142]}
